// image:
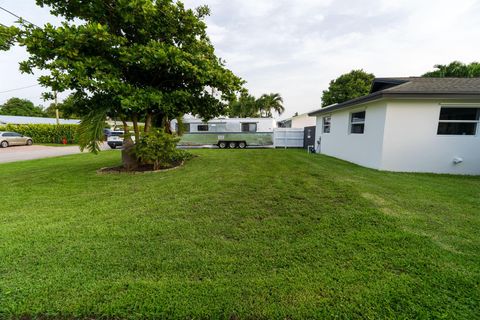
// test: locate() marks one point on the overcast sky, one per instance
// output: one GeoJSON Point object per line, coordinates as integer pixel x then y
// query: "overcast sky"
{"type": "Point", "coordinates": [295, 47]}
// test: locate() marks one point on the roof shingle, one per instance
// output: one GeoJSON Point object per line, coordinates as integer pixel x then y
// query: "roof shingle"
{"type": "Point", "coordinates": [415, 87]}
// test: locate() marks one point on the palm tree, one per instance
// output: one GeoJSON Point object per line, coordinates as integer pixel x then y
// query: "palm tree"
{"type": "Point", "coordinates": [270, 102]}
{"type": "Point", "coordinates": [244, 107]}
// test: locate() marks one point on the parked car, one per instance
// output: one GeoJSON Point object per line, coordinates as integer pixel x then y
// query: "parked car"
{"type": "Point", "coordinates": [115, 139]}
{"type": "Point", "coordinates": [106, 133]}
{"type": "Point", "coordinates": [14, 139]}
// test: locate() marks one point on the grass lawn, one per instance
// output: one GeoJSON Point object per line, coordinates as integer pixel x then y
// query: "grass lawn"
{"type": "Point", "coordinates": [237, 234]}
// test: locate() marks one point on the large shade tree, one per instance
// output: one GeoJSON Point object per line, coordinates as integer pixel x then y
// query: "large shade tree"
{"type": "Point", "coordinates": [348, 86]}
{"type": "Point", "coordinates": [21, 107]}
{"type": "Point", "coordinates": [147, 60]}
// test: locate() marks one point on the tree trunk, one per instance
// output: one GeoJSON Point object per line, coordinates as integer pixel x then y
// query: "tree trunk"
{"type": "Point", "coordinates": [126, 129]}
{"type": "Point", "coordinates": [129, 161]}
{"type": "Point", "coordinates": [167, 126]}
{"type": "Point", "coordinates": [148, 122]}
{"type": "Point", "coordinates": [135, 127]}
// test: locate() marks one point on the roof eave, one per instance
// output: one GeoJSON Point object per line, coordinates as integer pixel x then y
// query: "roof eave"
{"type": "Point", "coordinates": [403, 95]}
{"type": "Point", "coordinates": [347, 104]}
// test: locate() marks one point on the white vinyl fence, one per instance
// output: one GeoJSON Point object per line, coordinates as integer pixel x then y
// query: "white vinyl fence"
{"type": "Point", "coordinates": [288, 137]}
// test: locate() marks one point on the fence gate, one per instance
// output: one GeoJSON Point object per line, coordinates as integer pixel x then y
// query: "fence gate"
{"type": "Point", "coordinates": [288, 137]}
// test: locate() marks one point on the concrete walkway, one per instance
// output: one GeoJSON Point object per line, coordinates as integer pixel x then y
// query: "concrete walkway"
{"type": "Point", "coordinates": [21, 153]}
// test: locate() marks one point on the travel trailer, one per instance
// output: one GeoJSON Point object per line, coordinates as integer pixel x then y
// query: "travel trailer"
{"type": "Point", "coordinates": [226, 133]}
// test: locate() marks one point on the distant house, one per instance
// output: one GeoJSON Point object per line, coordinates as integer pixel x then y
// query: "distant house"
{"type": "Point", "coordinates": [16, 120]}
{"type": "Point", "coordinates": [407, 125]}
{"type": "Point", "coordinates": [298, 121]}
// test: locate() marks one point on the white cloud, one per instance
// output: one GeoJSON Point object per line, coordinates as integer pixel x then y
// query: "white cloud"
{"type": "Point", "coordinates": [296, 47]}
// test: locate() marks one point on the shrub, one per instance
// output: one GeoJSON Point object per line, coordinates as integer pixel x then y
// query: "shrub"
{"type": "Point", "coordinates": [45, 133]}
{"type": "Point", "coordinates": [159, 149]}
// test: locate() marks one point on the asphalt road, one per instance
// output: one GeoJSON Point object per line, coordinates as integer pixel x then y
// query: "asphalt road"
{"type": "Point", "coordinates": [21, 153]}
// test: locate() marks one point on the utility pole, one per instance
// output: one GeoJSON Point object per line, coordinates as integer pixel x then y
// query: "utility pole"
{"type": "Point", "coordinates": [56, 108]}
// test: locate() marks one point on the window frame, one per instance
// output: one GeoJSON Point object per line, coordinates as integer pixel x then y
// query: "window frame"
{"type": "Point", "coordinates": [249, 123]}
{"type": "Point", "coordinates": [324, 125]}
{"type": "Point", "coordinates": [203, 125]}
{"type": "Point", "coordinates": [351, 123]}
{"type": "Point", "coordinates": [476, 122]}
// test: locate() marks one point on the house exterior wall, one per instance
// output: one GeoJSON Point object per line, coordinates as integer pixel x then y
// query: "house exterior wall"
{"type": "Point", "coordinates": [401, 135]}
{"type": "Point", "coordinates": [411, 143]}
{"type": "Point", "coordinates": [303, 121]}
{"type": "Point", "coordinates": [363, 149]}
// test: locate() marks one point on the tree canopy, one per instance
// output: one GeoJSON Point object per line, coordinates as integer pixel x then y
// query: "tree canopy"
{"type": "Point", "coordinates": [348, 86]}
{"type": "Point", "coordinates": [21, 107]}
{"type": "Point", "coordinates": [130, 60]}
{"type": "Point", "coordinates": [269, 103]}
{"type": "Point", "coordinates": [455, 69]}
{"type": "Point", "coordinates": [66, 108]}
{"type": "Point", "coordinates": [247, 106]}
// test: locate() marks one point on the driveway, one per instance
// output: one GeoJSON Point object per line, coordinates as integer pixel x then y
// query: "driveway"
{"type": "Point", "coordinates": [20, 153]}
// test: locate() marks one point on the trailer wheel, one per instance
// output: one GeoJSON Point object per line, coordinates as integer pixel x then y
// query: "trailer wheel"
{"type": "Point", "coordinates": [242, 144]}
{"type": "Point", "coordinates": [222, 144]}
{"type": "Point", "coordinates": [232, 145]}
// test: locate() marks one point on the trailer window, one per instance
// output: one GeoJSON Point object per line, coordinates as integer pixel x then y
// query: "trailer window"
{"type": "Point", "coordinates": [218, 127]}
{"type": "Point", "coordinates": [202, 127]}
{"type": "Point", "coordinates": [458, 121]}
{"type": "Point", "coordinates": [185, 127]}
{"type": "Point", "coordinates": [249, 127]}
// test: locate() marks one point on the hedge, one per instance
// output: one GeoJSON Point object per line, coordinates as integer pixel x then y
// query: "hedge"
{"type": "Point", "coordinates": [46, 133]}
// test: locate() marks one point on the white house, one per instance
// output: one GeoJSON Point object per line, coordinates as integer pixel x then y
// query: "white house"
{"type": "Point", "coordinates": [407, 125]}
{"type": "Point", "coordinates": [298, 121]}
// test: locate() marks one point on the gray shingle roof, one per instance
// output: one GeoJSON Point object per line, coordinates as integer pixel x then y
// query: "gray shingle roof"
{"type": "Point", "coordinates": [437, 85]}
{"type": "Point", "coordinates": [414, 87]}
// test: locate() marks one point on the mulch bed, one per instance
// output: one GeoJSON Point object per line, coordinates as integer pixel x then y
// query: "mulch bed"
{"type": "Point", "coordinates": [141, 169]}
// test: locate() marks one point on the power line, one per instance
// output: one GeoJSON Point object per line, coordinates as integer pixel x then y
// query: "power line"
{"type": "Point", "coordinates": [22, 88]}
{"type": "Point", "coordinates": [17, 16]}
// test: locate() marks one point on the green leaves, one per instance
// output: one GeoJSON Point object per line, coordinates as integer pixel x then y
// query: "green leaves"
{"type": "Point", "coordinates": [455, 69]}
{"type": "Point", "coordinates": [247, 106]}
{"type": "Point", "coordinates": [7, 36]}
{"type": "Point", "coordinates": [21, 107]}
{"type": "Point", "coordinates": [159, 149]}
{"type": "Point", "coordinates": [148, 57]}
{"type": "Point", "coordinates": [46, 133]}
{"type": "Point", "coordinates": [349, 86]}
{"type": "Point", "coordinates": [90, 130]}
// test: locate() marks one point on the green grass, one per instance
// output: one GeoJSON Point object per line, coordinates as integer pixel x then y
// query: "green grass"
{"type": "Point", "coordinates": [243, 234]}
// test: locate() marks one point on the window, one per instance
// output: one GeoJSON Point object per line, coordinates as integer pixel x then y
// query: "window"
{"type": "Point", "coordinates": [249, 127]}
{"type": "Point", "coordinates": [218, 127]}
{"type": "Point", "coordinates": [458, 121]}
{"type": "Point", "coordinates": [357, 122]}
{"type": "Point", "coordinates": [202, 127]}
{"type": "Point", "coordinates": [326, 124]}
{"type": "Point", "coordinates": [185, 127]}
